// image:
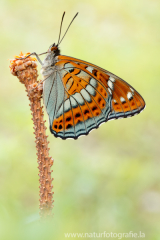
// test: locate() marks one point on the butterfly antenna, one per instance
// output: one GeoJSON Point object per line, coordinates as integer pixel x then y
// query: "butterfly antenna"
{"type": "Point", "coordinates": [68, 28]}
{"type": "Point", "coordinates": [60, 28]}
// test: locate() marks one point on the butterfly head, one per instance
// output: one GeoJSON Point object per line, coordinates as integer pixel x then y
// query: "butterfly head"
{"type": "Point", "coordinates": [54, 49]}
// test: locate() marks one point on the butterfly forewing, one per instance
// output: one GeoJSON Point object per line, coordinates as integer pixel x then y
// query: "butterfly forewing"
{"type": "Point", "coordinates": [126, 101]}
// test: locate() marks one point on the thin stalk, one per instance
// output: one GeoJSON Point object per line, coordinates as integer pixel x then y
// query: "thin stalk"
{"type": "Point", "coordinates": [26, 71]}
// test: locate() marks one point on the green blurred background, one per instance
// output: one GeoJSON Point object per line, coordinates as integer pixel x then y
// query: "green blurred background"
{"type": "Point", "coordinates": [110, 180]}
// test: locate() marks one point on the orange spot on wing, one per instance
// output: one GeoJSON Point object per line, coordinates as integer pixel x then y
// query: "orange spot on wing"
{"type": "Point", "coordinates": [103, 78]}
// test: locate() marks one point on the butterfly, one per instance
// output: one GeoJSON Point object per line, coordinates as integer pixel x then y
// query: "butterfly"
{"type": "Point", "coordinates": [79, 96]}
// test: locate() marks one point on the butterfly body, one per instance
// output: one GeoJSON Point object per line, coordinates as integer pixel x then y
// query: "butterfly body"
{"type": "Point", "coordinates": [79, 96]}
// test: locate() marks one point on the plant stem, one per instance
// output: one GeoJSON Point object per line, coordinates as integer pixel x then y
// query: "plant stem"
{"type": "Point", "coordinates": [26, 71]}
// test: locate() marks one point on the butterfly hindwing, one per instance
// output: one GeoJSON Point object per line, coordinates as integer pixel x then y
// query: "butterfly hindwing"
{"type": "Point", "coordinates": [86, 103]}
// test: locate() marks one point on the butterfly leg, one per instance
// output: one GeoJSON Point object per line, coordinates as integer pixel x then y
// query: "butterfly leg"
{"type": "Point", "coordinates": [34, 53]}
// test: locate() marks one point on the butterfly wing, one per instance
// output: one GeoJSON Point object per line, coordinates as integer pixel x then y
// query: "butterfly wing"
{"type": "Point", "coordinates": [53, 95]}
{"type": "Point", "coordinates": [81, 96]}
{"type": "Point", "coordinates": [126, 101]}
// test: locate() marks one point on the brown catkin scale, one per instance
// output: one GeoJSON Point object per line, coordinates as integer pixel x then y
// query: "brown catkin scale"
{"type": "Point", "coordinates": [26, 71]}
